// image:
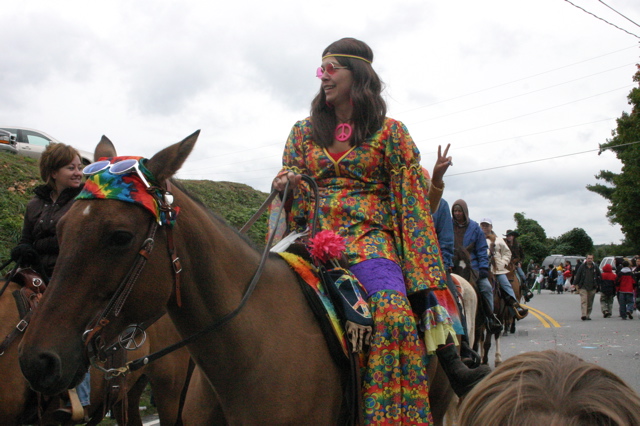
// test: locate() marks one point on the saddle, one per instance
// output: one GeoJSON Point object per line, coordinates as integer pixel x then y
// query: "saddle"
{"type": "Point", "coordinates": [337, 305]}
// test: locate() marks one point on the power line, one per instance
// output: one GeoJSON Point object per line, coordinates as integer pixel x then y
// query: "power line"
{"type": "Point", "coordinates": [519, 136]}
{"type": "Point", "coordinates": [515, 81]}
{"type": "Point", "coordinates": [543, 159]}
{"type": "Point", "coordinates": [619, 13]}
{"type": "Point", "coordinates": [523, 115]}
{"type": "Point", "coordinates": [603, 20]}
{"type": "Point", "coordinates": [516, 96]}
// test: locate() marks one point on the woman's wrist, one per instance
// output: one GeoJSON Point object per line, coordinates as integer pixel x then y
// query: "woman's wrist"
{"type": "Point", "coordinates": [437, 185]}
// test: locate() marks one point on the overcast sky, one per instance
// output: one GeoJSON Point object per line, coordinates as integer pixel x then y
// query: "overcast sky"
{"type": "Point", "coordinates": [524, 91]}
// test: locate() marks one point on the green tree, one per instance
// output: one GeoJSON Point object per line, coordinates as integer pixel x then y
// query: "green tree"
{"type": "Point", "coordinates": [575, 241]}
{"type": "Point", "coordinates": [532, 238]}
{"type": "Point", "coordinates": [622, 189]}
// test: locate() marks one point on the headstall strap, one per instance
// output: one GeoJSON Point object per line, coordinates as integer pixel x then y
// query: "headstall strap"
{"type": "Point", "coordinates": [167, 207]}
{"type": "Point", "coordinates": [115, 305]}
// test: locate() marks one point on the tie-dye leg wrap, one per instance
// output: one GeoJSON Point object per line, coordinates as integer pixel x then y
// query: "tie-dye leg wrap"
{"type": "Point", "coordinates": [395, 388]}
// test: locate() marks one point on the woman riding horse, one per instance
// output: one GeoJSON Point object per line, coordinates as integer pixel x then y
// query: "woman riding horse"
{"type": "Point", "coordinates": [373, 193]}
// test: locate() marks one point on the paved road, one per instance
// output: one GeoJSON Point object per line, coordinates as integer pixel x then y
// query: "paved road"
{"type": "Point", "coordinates": [554, 323]}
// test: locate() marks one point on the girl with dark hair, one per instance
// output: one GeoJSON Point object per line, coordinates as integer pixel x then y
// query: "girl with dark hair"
{"type": "Point", "coordinates": [373, 193]}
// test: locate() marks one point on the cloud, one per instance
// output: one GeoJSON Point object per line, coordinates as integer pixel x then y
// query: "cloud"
{"type": "Point", "coordinates": [503, 82]}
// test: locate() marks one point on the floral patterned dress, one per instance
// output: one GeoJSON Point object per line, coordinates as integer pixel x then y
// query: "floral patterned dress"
{"type": "Point", "coordinates": [375, 196]}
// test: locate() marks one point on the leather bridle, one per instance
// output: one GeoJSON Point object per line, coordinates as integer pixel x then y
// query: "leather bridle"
{"type": "Point", "coordinates": [96, 349]}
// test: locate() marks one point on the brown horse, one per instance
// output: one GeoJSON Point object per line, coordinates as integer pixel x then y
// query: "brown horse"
{"type": "Point", "coordinates": [483, 334]}
{"type": "Point", "coordinates": [509, 317]}
{"type": "Point", "coordinates": [263, 350]}
{"type": "Point", "coordinates": [19, 404]}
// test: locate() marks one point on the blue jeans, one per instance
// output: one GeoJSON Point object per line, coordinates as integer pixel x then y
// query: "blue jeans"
{"type": "Point", "coordinates": [625, 300]}
{"type": "Point", "coordinates": [506, 285]}
{"type": "Point", "coordinates": [84, 390]}
{"type": "Point", "coordinates": [521, 277]}
{"type": "Point", "coordinates": [485, 288]}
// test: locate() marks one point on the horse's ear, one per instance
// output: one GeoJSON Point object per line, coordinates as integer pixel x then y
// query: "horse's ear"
{"type": "Point", "coordinates": [104, 149]}
{"type": "Point", "coordinates": [167, 162]}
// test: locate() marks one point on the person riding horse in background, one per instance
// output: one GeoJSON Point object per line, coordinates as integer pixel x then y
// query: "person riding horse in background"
{"type": "Point", "coordinates": [468, 237]}
{"type": "Point", "coordinates": [61, 170]}
{"type": "Point", "coordinates": [500, 256]}
{"type": "Point", "coordinates": [372, 192]}
{"type": "Point", "coordinates": [444, 230]}
{"type": "Point", "coordinates": [517, 256]}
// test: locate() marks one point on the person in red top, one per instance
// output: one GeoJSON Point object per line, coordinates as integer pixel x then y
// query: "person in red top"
{"type": "Point", "coordinates": [567, 274]}
{"type": "Point", "coordinates": [607, 290]}
{"type": "Point", "coordinates": [625, 285]}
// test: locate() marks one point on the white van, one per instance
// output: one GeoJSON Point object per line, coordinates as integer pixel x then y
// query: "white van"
{"type": "Point", "coordinates": [557, 259]}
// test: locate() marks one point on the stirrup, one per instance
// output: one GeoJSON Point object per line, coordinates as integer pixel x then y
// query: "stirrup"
{"type": "Point", "coordinates": [77, 410]}
{"type": "Point", "coordinates": [469, 357]}
{"type": "Point", "coordinates": [517, 308]}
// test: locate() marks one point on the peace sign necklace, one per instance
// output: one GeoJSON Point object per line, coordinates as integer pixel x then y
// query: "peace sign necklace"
{"type": "Point", "coordinates": [343, 132]}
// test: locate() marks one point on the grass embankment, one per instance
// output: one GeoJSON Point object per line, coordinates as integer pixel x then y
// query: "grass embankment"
{"type": "Point", "coordinates": [235, 202]}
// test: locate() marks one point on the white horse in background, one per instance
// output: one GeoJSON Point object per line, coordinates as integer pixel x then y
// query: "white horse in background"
{"type": "Point", "coordinates": [470, 306]}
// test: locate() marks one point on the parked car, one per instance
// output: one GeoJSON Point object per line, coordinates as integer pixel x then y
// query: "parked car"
{"type": "Point", "coordinates": [32, 142]}
{"type": "Point", "coordinates": [557, 259]}
{"type": "Point", "coordinates": [7, 142]}
{"type": "Point", "coordinates": [609, 260]}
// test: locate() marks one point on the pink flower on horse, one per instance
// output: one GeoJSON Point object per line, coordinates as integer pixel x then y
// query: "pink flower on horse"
{"type": "Point", "coordinates": [326, 246]}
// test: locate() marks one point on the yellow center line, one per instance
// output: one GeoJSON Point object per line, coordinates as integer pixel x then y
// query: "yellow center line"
{"type": "Point", "coordinates": [542, 320]}
{"type": "Point", "coordinates": [543, 317]}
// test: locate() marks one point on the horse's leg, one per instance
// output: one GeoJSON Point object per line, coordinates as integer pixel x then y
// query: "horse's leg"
{"type": "Point", "coordinates": [133, 404]}
{"type": "Point", "coordinates": [498, 351]}
{"type": "Point", "coordinates": [487, 347]}
{"type": "Point", "coordinates": [440, 391]}
{"type": "Point", "coordinates": [202, 406]}
{"type": "Point", "coordinates": [453, 412]}
{"type": "Point", "coordinates": [168, 380]}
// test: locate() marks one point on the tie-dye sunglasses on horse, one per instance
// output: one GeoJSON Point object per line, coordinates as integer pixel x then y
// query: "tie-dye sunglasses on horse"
{"type": "Point", "coordinates": [119, 168]}
{"type": "Point", "coordinates": [127, 179]}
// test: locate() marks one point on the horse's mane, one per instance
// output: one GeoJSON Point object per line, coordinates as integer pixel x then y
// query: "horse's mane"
{"type": "Point", "coordinates": [214, 216]}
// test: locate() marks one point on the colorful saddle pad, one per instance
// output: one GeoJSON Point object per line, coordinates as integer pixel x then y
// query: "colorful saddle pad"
{"type": "Point", "coordinates": [319, 300]}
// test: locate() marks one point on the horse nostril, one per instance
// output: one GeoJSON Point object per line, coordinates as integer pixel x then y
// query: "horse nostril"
{"type": "Point", "coordinates": [43, 372]}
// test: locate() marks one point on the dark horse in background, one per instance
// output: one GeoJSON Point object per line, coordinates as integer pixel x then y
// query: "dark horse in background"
{"type": "Point", "coordinates": [482, 338]}
{"type": "Point", "coordinates": [269, 364]}
{"type": "Point", "coordinates": [21, 405]}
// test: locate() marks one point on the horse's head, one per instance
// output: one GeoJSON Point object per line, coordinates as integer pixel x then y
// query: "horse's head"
{"type": "Point", "coordinates": [462, 262]}
{"type": "Point", "coordinates": [93, 296]}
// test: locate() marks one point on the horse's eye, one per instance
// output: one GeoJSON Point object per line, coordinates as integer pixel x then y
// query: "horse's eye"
{"type": "Point", "coordinates": [120, 238]}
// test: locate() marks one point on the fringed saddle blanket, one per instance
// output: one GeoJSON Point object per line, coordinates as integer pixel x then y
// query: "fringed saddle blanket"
{"type": "Point", "coordinates": [321, 304]}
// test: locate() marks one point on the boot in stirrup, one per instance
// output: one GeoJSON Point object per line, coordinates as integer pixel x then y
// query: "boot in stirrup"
{"type": "Point", "coordinates": [461, 377]}
{"type": "Point", "coordinates": [520, 310]}
{"type": "Point", "coordinates": [469, 357]}
{"type": "Point", "coordinates": [493, 323]}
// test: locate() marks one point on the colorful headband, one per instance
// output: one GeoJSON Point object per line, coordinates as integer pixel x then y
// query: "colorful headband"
{"type": "Point", "coordinates": [128, 187]}
{"type": "Point", "coordinates": [346, 56]}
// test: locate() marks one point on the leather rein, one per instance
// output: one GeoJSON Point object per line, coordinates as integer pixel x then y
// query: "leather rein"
{"type": "Point", "coordinates": [134, 336]}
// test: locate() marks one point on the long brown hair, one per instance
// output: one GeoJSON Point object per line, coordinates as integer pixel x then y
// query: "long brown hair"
{"type": "Point", "coordinates": [369, 108]}
{"type": "Point", "coordinates": [550, 388]}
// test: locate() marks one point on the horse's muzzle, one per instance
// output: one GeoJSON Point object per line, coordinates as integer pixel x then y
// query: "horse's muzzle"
{"type": "Point", "coordinates": [44, 373]}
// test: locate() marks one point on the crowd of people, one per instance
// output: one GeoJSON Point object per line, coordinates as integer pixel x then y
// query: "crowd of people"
{"type": "Point", "coordinates": [374, 192]}
{"type": "Point", "coordinates": [587, 279]}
